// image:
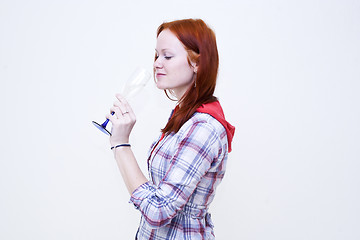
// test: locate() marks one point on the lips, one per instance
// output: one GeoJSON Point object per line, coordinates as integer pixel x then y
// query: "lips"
{"type": "Point", "coordinates": [160, 75]}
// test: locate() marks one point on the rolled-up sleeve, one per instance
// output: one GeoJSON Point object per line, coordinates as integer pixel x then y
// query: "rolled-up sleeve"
{"type": "Point", "coordinates": [197, 147]}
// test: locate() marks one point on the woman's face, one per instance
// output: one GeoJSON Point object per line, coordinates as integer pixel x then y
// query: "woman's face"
{"type": "Point", "coordinates": [172, 69]}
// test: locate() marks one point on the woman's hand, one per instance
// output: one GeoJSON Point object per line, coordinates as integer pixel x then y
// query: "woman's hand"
{"type": "Point", "coordinates": [123, 120]}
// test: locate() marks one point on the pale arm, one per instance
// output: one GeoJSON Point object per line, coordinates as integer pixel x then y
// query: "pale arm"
{"type": "Point", "coordinates": [131, 173]}
{"type": "Point", "coordinates": [123, 121]}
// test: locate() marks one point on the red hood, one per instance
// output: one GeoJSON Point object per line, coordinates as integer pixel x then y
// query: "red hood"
{"type": "Point", "coordinates": [215, 110]}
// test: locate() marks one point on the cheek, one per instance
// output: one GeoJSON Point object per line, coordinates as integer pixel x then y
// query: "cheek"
{"type": "Point", "coordinates": [183, 68]}
{"type": "Point", "coordinates": [187, 71]}
{"type": "Point", "coordinates": [179, 70]}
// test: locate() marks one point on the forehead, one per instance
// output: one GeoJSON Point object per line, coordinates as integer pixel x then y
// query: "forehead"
{"type": "Point", "coordinates": [168, 40]}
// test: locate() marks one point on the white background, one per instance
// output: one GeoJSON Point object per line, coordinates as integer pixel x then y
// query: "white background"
{"type": "Point", "coordinates": [289, 81]}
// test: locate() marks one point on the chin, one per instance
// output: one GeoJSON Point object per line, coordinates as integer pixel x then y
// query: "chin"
{"type": "Point", "coordinates": [160, 86]}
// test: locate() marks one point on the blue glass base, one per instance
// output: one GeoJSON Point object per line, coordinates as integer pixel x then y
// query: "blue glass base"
{"type": "Point", "coordinates": [101, 128]}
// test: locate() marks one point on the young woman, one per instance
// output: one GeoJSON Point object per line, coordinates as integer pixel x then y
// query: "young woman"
{"type": "Point", "coordinates": [187, 162]}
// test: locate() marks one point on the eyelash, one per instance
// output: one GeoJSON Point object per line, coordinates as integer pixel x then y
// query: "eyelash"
{"type": "Point", "coordinates": [166, 57]}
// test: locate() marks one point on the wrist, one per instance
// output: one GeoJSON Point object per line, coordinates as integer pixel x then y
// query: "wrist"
{"type": "Point", "coordinates": [118, 140]}
{"type": "Point", "coordinates": [120, 145]}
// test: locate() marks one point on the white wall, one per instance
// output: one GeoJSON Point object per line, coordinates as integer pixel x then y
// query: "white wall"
{"type": "Point", "coordinates": [289, 81]}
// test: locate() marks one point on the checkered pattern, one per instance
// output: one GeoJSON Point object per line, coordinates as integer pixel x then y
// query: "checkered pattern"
{"type": "Point", "coordinates": [184, 169]}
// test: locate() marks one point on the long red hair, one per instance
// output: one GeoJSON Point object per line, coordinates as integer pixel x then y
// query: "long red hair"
{"type": "Point", "coordinates": [200, 43]}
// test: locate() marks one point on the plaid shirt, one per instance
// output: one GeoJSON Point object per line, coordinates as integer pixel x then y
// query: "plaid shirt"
{"type": "Point", "coordinates": [184, 170]}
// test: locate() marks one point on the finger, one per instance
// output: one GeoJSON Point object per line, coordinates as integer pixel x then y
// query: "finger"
{"type": "Point", "coordinates": [117, 104]}
{"type": "Point", "coordinates": [121, 104]}
{"type": "Point", "coordinates": [120, 97]}
{"type": "Point", "coordinates": [116, 111]}
{"type": "Point", "coordinates": [131, 112]}
{"type": "Point", "coordinates": [126, 104]}
{"type": "Point", "coordinates": [124, 112]}
{"type": "Point", "coordinates": [111, 117]}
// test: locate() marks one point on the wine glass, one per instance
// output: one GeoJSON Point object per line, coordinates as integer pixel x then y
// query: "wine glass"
{"type": "Point", "coordinates": [133, 85]}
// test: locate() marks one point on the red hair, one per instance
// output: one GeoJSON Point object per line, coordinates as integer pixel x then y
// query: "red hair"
{"type": "Point", "coordinates": [200, 43]}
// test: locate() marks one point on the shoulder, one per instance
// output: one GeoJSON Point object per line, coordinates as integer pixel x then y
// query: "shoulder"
{"type": "Point", "coordinates": [203, 125]}
{"type": "Point", "coordinates": [206, 120]}
{"type": "Point", "coordinates": [202, 135]}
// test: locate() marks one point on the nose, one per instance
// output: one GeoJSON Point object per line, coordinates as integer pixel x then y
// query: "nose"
{"type": "Point", "coordinates": [158, 63]}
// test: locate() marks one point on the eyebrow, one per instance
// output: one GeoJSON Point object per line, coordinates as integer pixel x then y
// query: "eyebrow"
{"type": "Point", "coordinates": [163, 50]}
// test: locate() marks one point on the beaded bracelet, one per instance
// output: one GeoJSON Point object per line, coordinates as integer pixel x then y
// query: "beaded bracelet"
{"type": "Point", "coordinates": [121, 145]}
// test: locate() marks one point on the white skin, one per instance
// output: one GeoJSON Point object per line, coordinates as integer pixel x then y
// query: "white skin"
{"type": "Point", "coordinates": [172, 69]}
{"type": "Point", "coordinates": [173, 72]}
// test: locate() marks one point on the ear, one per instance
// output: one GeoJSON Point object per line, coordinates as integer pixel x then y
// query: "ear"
{"type": "Point", "coordinates": [194, 66]}
{"type": "Point", "coordinates": [193, 60]}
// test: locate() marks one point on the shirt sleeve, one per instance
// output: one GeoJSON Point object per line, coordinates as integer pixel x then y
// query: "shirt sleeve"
{"type": "Point", "coordinates": [196, 149]}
